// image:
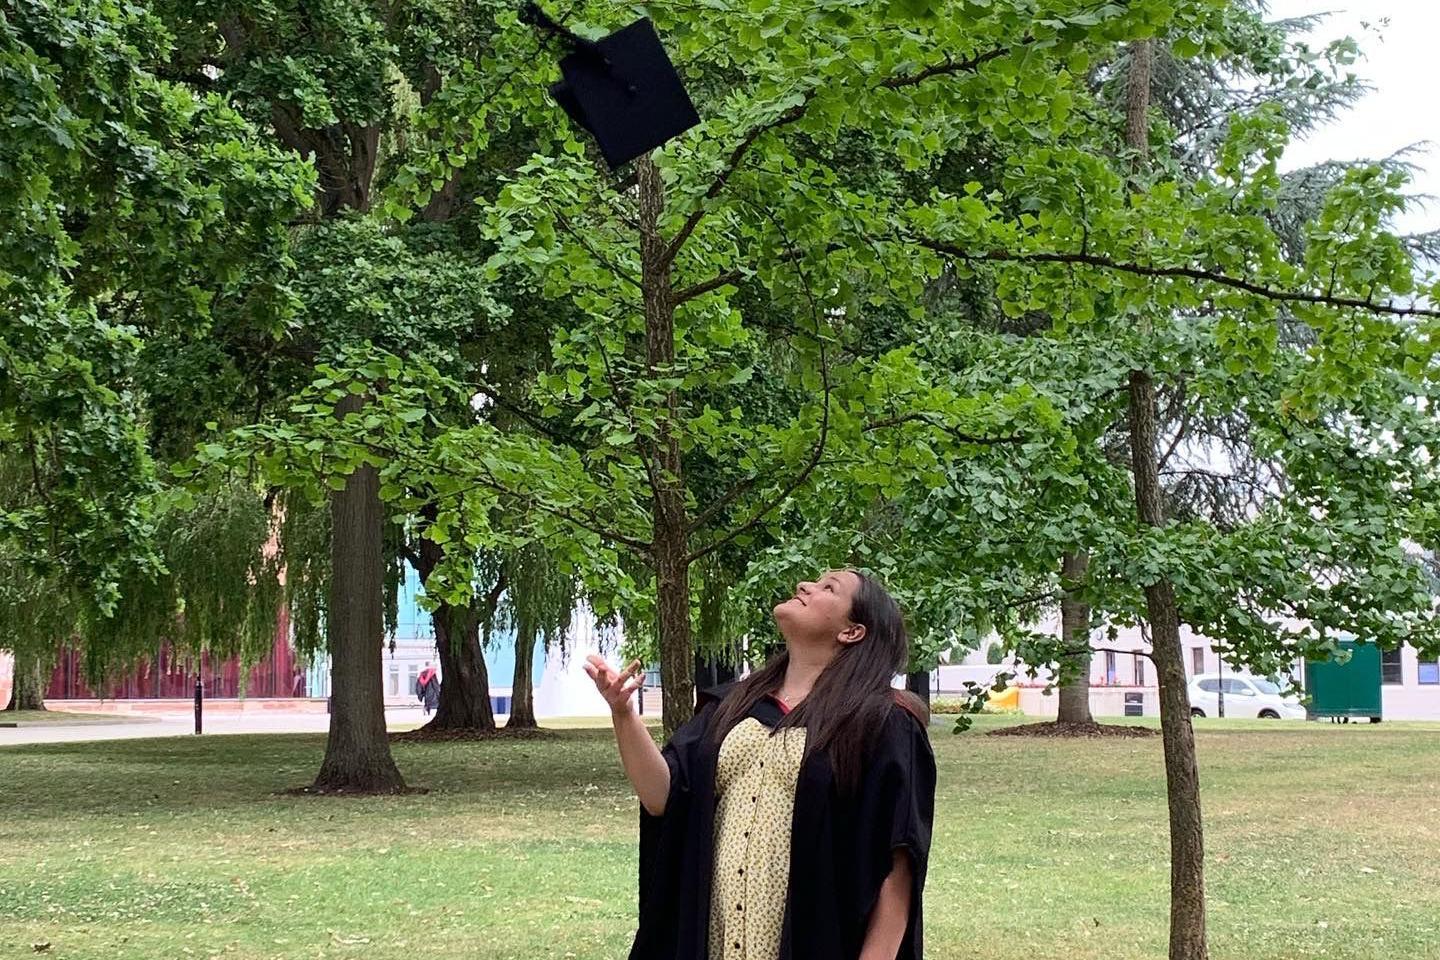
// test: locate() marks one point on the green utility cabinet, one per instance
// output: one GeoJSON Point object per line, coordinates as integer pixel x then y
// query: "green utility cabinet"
{"type": "Point", "coordinates": [1350, 689]}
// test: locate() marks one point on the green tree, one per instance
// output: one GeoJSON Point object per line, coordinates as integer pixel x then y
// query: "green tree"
{"type": "Point", "coordinates": [1228, 354]}
{"type": "Point", "coordinates": [104, 157]}
{"type": "Point", "coordinates": [655, 269]}
{"type": "Point", "coordinates": [1137, 269]}
{"type": "Point", "coordinates": [343, 85]}
{"type": "Point", "coordinates": [541, 604]}
{"type": "Point", "coordinates": [1154, 266]}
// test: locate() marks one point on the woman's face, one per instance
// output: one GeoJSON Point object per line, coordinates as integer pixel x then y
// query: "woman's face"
{"type": "Point", "coordinates": [819, 611]}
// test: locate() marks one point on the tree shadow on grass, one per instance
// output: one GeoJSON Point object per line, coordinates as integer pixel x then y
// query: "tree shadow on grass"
{"type": "Point", "coordinates": [207, 775]}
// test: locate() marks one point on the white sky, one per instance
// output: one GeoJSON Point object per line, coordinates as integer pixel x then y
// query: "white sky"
{"type": "Point", "coordinates": [1400, 40]}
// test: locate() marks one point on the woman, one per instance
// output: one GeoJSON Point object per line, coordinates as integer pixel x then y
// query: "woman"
{"type": "Point", "coordinates": [790, 819]}
{"type": "Point", "coordinates": [427, 688]}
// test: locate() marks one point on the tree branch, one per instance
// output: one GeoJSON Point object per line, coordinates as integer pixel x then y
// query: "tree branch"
{"type": "Point", "coordinates": [530, 419]}
{"type": "Point", "coordinates": [736, 156]}
{"type": "Point", "coordinates": [614, 268]}
{"type": "Point", "coordinates": [1030, 598]}
{"type": "Point", "coordinates": [1189, 273]}
{"type": "Point", "coordinates": [594, 526]}
{"type": "Point", "coordinates": [645, 458]}
{"type": "Point", "coordinates": [929, 419]}
{"type": "Point", "coordinates": [492, 599]}
{"type": "Point", "coordinates": [949, 66]}
{"type": "Point", "coordinates": [729, 497]}
{"type": "Point", "coordinates": [489, 481]}
{"type": "Point", "coordinates": [946, 67]}
{"type": "Point", "coordinates": [411, 557]}
{"type": "Point", "coordinates": [714, 283]}
{"type": "Point", "coordinates": [1219, 478]}
{"type": "Point", "coordinates": [1180, 432]}
{"type": "Point", "coordinates": [1077, 651]}
{"type": "Point", "coordinates": [817, 452]}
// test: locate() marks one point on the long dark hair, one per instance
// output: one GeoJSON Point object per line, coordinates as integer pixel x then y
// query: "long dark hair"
{"type": "Point", "coordinates": [852, 698]}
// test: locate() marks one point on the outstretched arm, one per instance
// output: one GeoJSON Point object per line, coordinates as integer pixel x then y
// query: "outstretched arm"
{"type": "Point", "coordinates": [644, 764]}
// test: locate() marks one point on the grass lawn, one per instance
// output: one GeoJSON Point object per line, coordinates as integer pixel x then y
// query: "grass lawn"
{"type": "Point", "coordinates": [29, 718]}
{"type": "Point", "coordinates": [1324, 842]}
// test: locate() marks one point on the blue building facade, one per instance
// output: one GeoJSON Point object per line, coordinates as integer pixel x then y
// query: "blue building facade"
{"type": "Point", "coordinates": [413, 645]}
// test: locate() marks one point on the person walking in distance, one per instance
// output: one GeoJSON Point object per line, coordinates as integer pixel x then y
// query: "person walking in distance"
{"type": "Point", "coordinates": [427, 688]}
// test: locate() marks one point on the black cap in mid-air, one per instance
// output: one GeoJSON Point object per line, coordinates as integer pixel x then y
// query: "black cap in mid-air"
{"type": "Point", "coordinates": [622, 89]}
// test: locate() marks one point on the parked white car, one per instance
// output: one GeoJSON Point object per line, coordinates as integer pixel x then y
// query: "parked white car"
{"type": "Point", "coordinates": [1245, 696]}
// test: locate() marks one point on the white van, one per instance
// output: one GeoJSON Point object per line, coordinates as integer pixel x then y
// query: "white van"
{"type": "Point", "coordinates": [1245, 696]}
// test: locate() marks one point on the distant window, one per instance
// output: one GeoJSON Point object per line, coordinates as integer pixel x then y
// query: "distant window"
{"type": "Point", "coordinates": [1139, 671]}
{"type": "Point", "coordinates": [1197, 659]}
{"type": "Point", "coordinates": [1392, 670]}
{"type": "Point", "coordinates": [1430, 671]}
{"type": "Point", "coordinates": [1266, 686]}
{"type": "Point", "coordinates": [394, 679]}
{"type": "Point", "coordinates": [1210, 686]}
{"type": "Point", "coordinates": [1110, 671]}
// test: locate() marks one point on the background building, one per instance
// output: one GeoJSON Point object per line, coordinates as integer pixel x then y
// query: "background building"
{"type": "Point", "coordinates": [1410, 687]}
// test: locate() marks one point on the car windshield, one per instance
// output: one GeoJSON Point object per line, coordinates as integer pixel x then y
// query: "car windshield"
{"type": "Point", "coordinates": [1265, 686]}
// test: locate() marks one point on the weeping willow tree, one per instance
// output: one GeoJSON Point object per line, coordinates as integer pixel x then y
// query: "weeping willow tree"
{"type": "Point", "coordinates": [113, 174]}
{"type": "Point", "coordinates": [218, 592]}
{"type": "Point", "coordinates": [731, 617]}
{"type": "Point", "coordinates": [539, 605]}
{"type": "Point", "coordinates": [36, 617]}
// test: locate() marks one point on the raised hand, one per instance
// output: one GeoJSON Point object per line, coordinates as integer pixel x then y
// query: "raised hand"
{"type": "Point", "coordinates": [618, 689]}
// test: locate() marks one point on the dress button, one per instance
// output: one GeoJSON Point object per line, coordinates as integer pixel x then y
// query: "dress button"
{"type": "Point", "coordinates": [739, 906]}
{"type": "Point", "coordinates": [741, 871]}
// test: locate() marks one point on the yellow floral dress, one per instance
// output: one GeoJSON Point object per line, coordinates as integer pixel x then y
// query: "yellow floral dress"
{"type": "Point", "coordinates": [755, 779]}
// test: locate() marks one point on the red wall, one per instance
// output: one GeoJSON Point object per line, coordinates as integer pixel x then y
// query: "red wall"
{"type": "Point", "coordinates": [169, 676]}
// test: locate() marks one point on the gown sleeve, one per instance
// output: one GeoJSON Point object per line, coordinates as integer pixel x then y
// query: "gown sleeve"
{"type": "Point", "coordinates": [897, 813]}
{"type": "Point", "coordinates": [664, 840]}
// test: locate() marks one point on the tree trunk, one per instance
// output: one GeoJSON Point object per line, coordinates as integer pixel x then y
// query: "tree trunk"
{"type": "Point", "coordinates": [27, 691]}
{"type": "Point", "coordinates": [522, 687]}
{"type": "Point", "coordinates": [464, 677]}
{"type": "Point", "coordinates": [667, 473]}
{"type": "Point", "coordinates": [677, 658]}
{"type": "Point", "coordinates": [918, 683]}
{"type": "Point", "coordinates": [712, 672]}
{"type": "Point", "coordinates": [1075, 633]}
{"type": "Point", "coordinates": [1182, 775]}
{"type": "Point", "coordinates": [357, 752]}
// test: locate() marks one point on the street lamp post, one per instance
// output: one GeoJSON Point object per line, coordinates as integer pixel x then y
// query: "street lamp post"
{"type": "Point", "coordinates": [199, 702]}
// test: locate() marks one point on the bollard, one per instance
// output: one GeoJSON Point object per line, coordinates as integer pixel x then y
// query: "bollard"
{"type": "Point", "coordinates": [199, 702]}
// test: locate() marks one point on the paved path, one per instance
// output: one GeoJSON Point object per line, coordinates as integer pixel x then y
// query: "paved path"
{"type": "Point", "coordinates": [183, 724]}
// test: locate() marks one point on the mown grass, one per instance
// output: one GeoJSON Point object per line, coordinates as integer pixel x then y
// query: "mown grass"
{"type": "Point", "coordinates": [1324, 841]}
{"type": "Point", "coordinates": [30, 718]}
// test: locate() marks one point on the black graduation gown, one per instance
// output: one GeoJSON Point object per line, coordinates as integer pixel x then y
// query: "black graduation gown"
{"type": "Point", "coordinates": [841, 849]}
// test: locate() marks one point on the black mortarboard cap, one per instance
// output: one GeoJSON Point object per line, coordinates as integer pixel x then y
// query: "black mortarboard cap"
{"type": "Point", "coordinates": [622, 89]}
